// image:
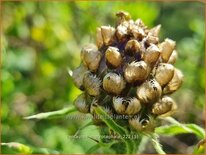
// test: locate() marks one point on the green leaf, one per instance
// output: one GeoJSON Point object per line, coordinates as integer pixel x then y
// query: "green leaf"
{"type": "Point", "coordinates": [178, 128]}
{"type": "Point", "coordinates": [93, 149]}
{"type": "Point", "coordinates": [170, 130]}
{"type": "Point", "coordinates": [83, 127]}
{"type": "Point", "coordinates": [197, 130]}
{"type": "Point", "coordinates": [53, 114]}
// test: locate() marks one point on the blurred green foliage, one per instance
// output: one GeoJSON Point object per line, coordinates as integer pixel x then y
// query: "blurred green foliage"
{"type": "Point", "coordinates": [41, 40]}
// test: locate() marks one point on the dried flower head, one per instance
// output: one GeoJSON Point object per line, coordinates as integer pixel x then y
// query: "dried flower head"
{"type": "Point", "coordinates": [128, 72]}
{"type": "Point", "coordinates": [145, 125]}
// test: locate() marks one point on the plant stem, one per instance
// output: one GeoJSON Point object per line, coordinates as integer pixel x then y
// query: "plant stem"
{"type": "Point", "coordinates": [117, 128]}
{"type": "Point", "coordinates": [157, 145]}
{"type": "Point", "coordinates": [129, 146]}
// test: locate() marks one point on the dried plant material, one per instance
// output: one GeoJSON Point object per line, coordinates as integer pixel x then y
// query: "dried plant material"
{"type": "Point", "coordinates": [132, 47]}
{"type": "Point", "coordinates": [81, 103]}
{"type": "Point", "coordinates": [126, 106]}
{"type": "Point", "coordinates": [127, 73]}
{"type": "Point", "coordinates": [173, 57]}
{"type": "Point", "coordinates": [155, 30]}
{"type": "Point", "coordinates": [136, 71]}
{"type": "Point", "coordinates": [91, 57]}
{"type": "Point", "coordinates": [91, 84]}
{"type": "Point", "coordinates": [113, 83]}
{"type": "Point", "coordinates": [99, 39]}
{"type": "Point", "coordinates": [165, 107]}
{"type": "Point", "coordinates": [78, 75]}
{"type": "Point", "coordinates": [164, 73]}
{"type": "Point", "coordinates": [149, 92]}
{"type": "Point", "coordinates": [166, 49]}
{"type": "Point", "coordinates": [151, 55]}
{"type": "Point", "coordinates": [175, 83]}
{"type": "Point", "coordinates": [113, 56]}
{"type": "Point", "coordinates": [107, 34]}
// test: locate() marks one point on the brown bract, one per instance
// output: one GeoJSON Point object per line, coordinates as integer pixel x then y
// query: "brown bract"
{"type": "Point", "coordinates": [126, 106]}
{"type": "Point", "coordinates": [113, 83]}
{"type": "Point", "coordinates": [151, 55]}
{"type": "Point", "coordinates": [166, 49]}
{"type": "Point", "coordinates": [136, 71]}
{"type": "Point", "coordinates": [132, 47]}
{"type": "Point", "coordinates": [165, 107]}
{"type": "Point", "coordinates": [149, 92]}
{"type": "Point", "coordinates": [175, 83]}
{"type": "Point", "coordinates": [164, 73]}
{"type": "Point", "coordinates": [81, 103]}
{"type": "Point", "coordinates": [113, 56]}
{"type": "Point", "coordinates": [91, 57]}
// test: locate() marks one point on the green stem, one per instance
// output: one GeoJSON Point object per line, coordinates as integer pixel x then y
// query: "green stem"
{"type": "Point", "coordinates": [157, 145]}
{"type": "Point", "coordinates": [117, 128]}
{"type": "Point", "coordinates": [142, 143]}
{"type": "Point", "coordinates": [129, 146]}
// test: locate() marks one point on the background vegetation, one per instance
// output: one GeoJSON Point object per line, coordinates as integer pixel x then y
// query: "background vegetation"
{"type": "Point", "coordinates": [41, 40]}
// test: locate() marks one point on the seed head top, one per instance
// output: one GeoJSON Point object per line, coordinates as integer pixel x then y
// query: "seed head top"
{"type": "Point", "coordinates": [128, 72]}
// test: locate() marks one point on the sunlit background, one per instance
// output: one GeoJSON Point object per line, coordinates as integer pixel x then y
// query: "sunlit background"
{"type": "Point", "coordinates": [42, 40]}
